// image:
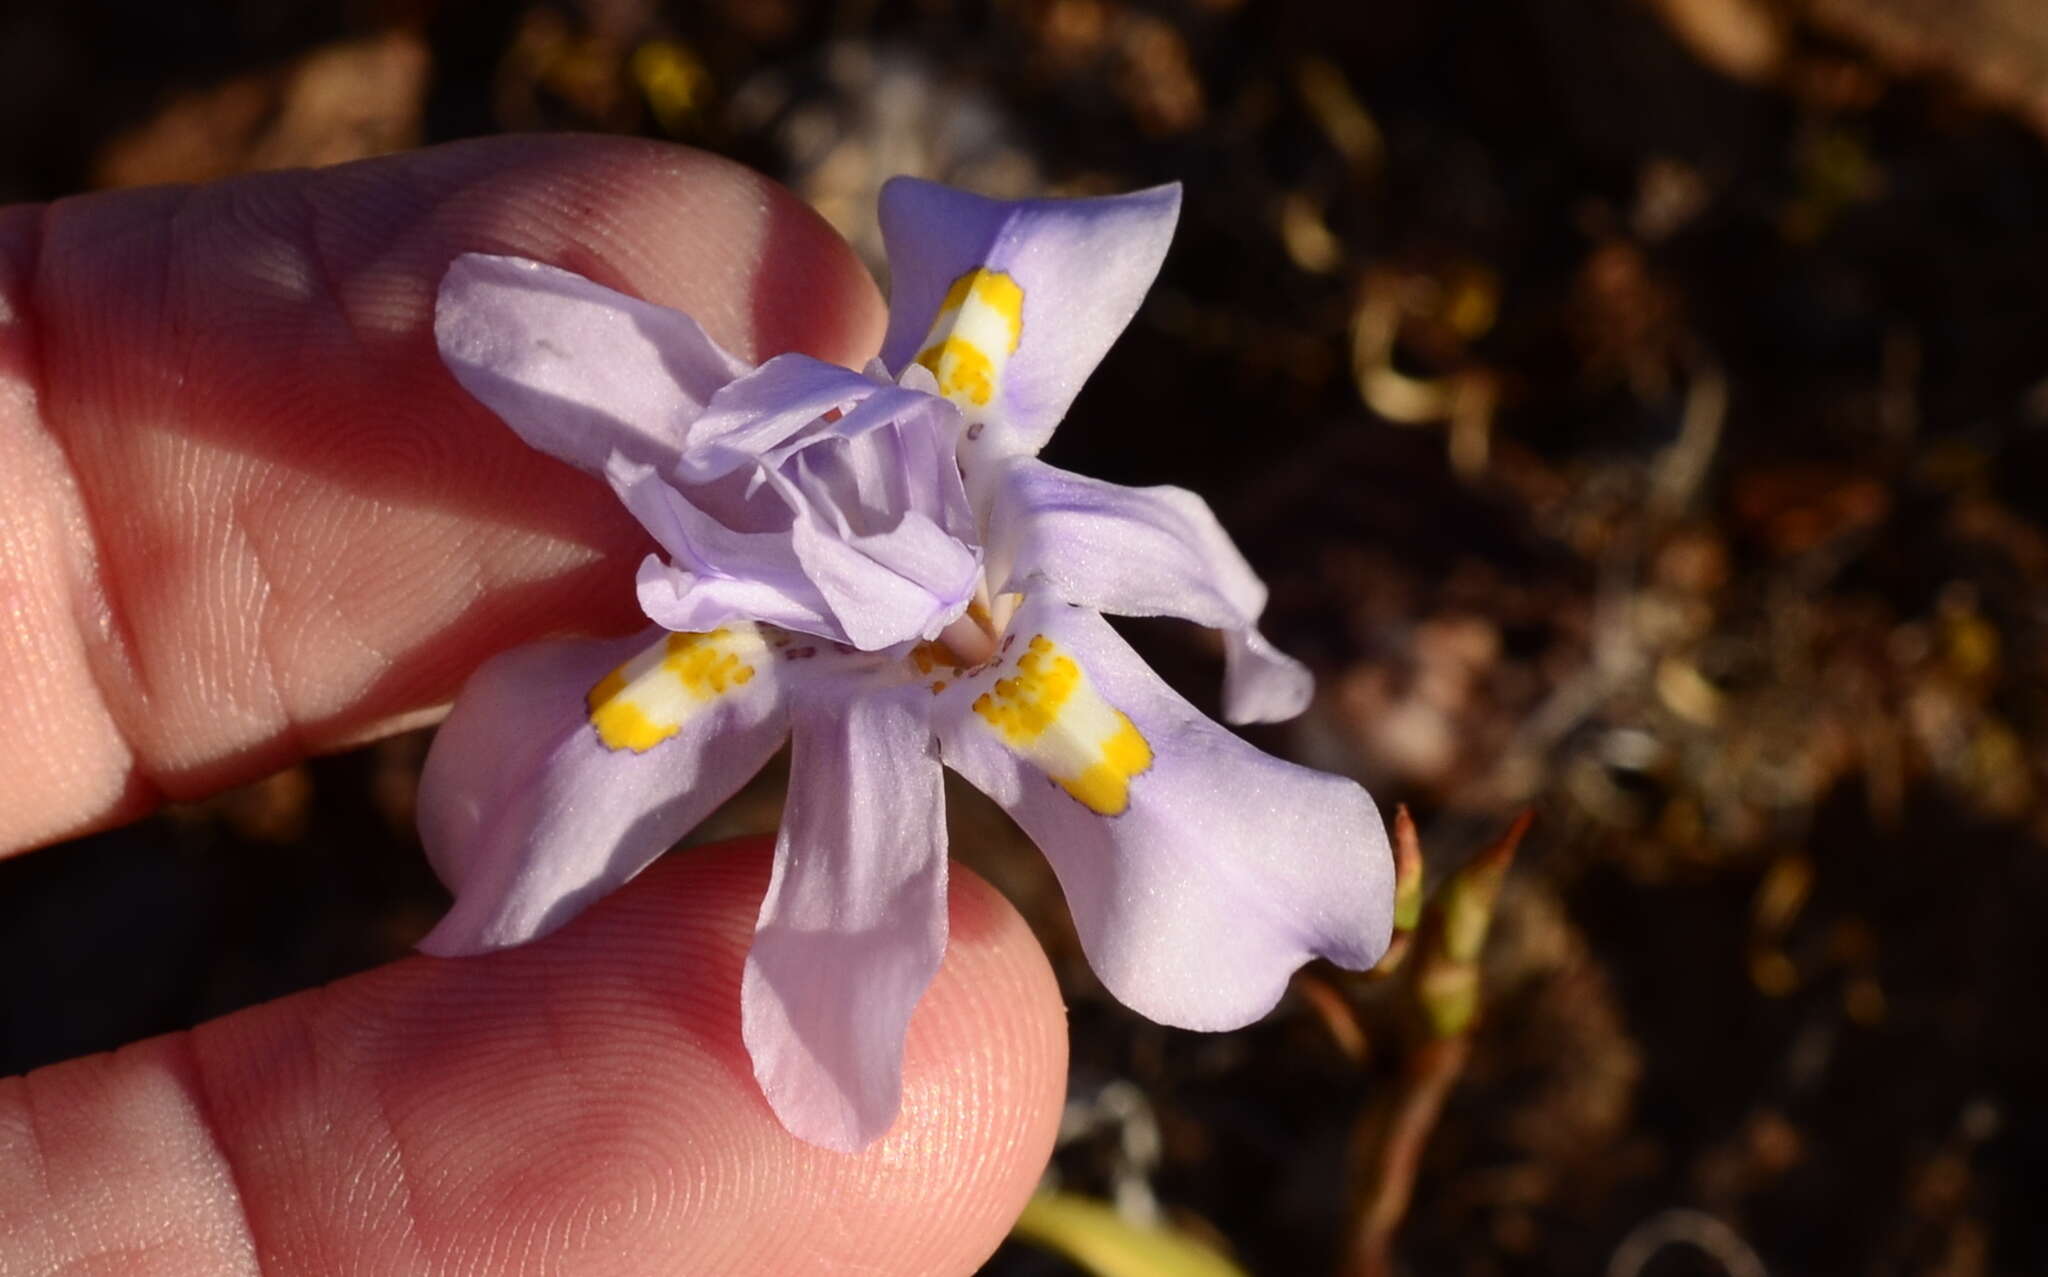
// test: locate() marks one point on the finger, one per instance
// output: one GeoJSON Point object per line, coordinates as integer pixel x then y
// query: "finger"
{"type": "Point", "coordinates": [580, 1105]}
{"type": "Point", "coordinates": [247, 512]}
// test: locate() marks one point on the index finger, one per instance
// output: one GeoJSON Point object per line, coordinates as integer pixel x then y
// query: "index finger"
{"type": "Point", "coordinates": [248, 514]}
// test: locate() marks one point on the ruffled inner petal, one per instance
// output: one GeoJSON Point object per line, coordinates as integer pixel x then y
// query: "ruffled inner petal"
{"type": "Point", "coordinates": [716, 574]}
{"type": "Point", "coordinates": [761, 411]}
{"type": "Point", "coordinates": [875, 604]}
{"type": "Point", "coordinates": [849, 523]}
{"type": "Point", "coordinates": [862, 481]}
{"type": "Point", "coordinates": [682, 600]}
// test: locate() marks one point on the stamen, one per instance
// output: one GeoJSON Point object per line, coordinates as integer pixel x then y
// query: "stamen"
{"type": "Point", "coordinates": [969, 638]}
{"type": "Point", "coordinates": [1000, 612]}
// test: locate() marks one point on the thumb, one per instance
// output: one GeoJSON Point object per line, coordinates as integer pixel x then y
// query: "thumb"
{"type": "Point", "coordinates": [579, 1105]}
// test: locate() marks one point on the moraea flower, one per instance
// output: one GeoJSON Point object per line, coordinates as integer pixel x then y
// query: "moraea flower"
{"type": "Point", "coordinates": [877, 566]}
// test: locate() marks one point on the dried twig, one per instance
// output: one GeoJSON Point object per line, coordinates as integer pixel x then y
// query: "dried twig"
{"type": "Point", "coordinates": [1683, 1227]}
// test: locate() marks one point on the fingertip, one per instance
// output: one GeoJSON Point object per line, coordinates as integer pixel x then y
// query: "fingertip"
{"type": "Point", "coordinates": [811, 293]}
{"type": "Point", "coordinates": [756, 266]}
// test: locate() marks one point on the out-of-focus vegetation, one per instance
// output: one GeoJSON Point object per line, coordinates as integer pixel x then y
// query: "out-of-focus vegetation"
{"type": "Point", "coordinates": [1640, 410]}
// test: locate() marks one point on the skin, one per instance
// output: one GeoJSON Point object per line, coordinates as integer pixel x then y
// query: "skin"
{"type": "Point", "coordinates": [248, 516]}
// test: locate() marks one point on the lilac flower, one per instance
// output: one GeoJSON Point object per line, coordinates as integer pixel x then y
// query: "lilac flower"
{"type": "Point", "coordinates": [878, 567]}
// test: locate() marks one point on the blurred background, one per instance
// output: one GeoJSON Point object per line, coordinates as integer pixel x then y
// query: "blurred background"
{"type": "Point", "coordinates": [1639, 409]}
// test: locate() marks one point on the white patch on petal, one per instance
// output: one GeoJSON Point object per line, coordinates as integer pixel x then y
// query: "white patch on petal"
{"type": "Point", "coordinates": [978, 326]}
{"type": "Point", "coordinates": [648, 699]}
{"type": "Point", "coordinates": [1043, 707]}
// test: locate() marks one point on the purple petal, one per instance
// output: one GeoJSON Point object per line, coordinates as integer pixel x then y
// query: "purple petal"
{"type": "Point", "coordinates": [1142, 552]}
{"type": "Point", "coordinates": [890, 588]}
{"type": "Point", "coordinates": [854, 923]}
{"type": "Point", "coordinates": [917, 549]}
{"type": "Point", "coordinates": [577, 370]}
{"type": "Point", "coordinates": [526, 811]}
{"type": "Point", "coordinates": [1082, 266]}
{"type": "Point", "coordinates": [1200, 871]}
{"type": "Point", "coordinates": [1261, 683]}
{"type": "Point", "coordinates": [717, 574]}
{"type": "Point", "coordinates": [782, 398]}
{"type": "Point", "coordinates": [678, 599]}
{"type": "Point", "coordinates": [892, 454]}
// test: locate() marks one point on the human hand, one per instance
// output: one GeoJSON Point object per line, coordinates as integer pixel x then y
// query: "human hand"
{"type": "Point", "coordinates": [248, 516]}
